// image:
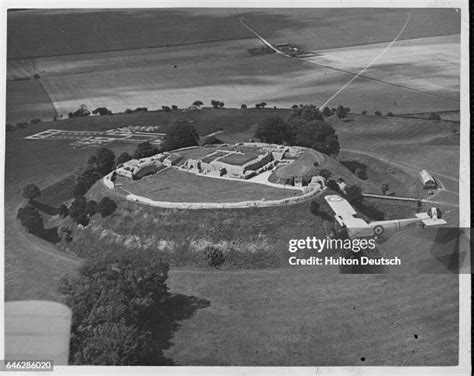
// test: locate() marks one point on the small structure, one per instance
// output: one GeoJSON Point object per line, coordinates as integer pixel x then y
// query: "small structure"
{"type": "Point", "coordinates": [429, 182]}
{"type": "Point", "coordinates": [138, 168]}
{"type": "Point", "coordinates": [172, 160]}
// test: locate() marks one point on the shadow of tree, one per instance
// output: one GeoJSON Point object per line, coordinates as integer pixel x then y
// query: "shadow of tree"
{"type": "Point", "coordinates": [45, 208]}
{"type": "Point", "coordinates": [164, 320]}
{"type": "Point", "coordinates": [51, 235]}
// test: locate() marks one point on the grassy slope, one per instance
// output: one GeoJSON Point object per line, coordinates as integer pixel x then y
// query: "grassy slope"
{"type": "Point", "coordinates": [297, 317]}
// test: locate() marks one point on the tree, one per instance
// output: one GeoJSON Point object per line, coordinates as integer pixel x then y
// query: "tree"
{"type": "Point", "coordinates": [327, 111]}
{"type": "Point", "coordinates": [174, 107]}
{"type": "Point", "coordinates": [85, 180]}
{"type": "Point", "coordinates": [182, 134]}
{"type": "Point", "coordinates": [118, 300]}
{"type": "Point", "coordinates": [243, 106]}
{"type": "Point", "coordinates": [103, 160]}
{"type": "Point", "coordinates": [31, 192]}
{"type": "Point", "coordinates": [354, 195]}
{"type": "Point", "coordinates": [77, 210]}
{"type": "Point", "coordinates": [260, 105]}
{"type": "Point", "coordinates": [35, 121]}
{"type": "Point", "coordinates": [273, 131]}
{"type": "Point", "coordinates": [332, 185]}
{"type": "Point", "coordinates": [311, 112]}
{"type": "Point", "coordinates": [91, 208]}
{"type": "Point", "coordinates": [31, 219]}
{"type": "Point", "coordinates": [166, 108]}
{"type": "Point", "coordinates": [36, 76]}
{"type": "Point", "coordinates": [145, 149]}
{"type": "Point", "coordinates": [377, 113]}
{"type": "Point", "coordinates": [106, 206]}
{"type": "Point", "coordinates": [63, 211]}
{"type": "Point", "coordinates": [341, 111]}
{"type": "Point", "coordinates": [9, 127]}
{"type": "Point", "coordinates": [102, 111]}
{"type": "Point", "coordinates": [215, 257]}
{"type": "Point", "coordinates": [317, 135]}
{"type": "Point", "coordinates": [385, 188]}
{"type": "Point", "coordinates": [122, 158]}
{"type": "Point", "coordinates": [390, 114]}
{"type": "Point", "coordinates": [198, 103]}
{"type": "Point", "coordinates": [217, 104]}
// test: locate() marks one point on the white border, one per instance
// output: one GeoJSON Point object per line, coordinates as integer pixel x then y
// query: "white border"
{"type": "Point", "coordinates": [464, 367]}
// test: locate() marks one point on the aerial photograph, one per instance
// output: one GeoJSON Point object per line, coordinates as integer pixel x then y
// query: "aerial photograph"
{"type": "Point", "coordinates": [243, 187]}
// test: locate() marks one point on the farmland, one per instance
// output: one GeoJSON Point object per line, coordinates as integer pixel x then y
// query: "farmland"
{"type": "Point", "coordinates": [209, 66]}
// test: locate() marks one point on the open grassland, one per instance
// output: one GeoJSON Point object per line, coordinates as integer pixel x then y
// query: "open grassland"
{"type": "Point", "coordinates": [174, 185]}
{"type": "Point", "coordinates": [299, 318]}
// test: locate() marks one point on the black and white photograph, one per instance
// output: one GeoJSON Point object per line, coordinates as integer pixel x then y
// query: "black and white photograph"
{"type": "Point", "coordinates": [204, 188]}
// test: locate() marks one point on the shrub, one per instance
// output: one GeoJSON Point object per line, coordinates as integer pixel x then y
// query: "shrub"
{"type": "Point", "coordinates": [390, 114]}
{"type": "Point", "coordinates": [35, 121]}
{"type": "Point", "coordinates": [215, 257]}
{"type": "Point", "coordinates": [102, 111]}
{"type": "Point", "coordinates": [128, 111]}
{"type": "Point", "coordinates": [9, 128]}
{"type": "Point", "coordinates": [377, 113]}
{"type": "Point", "coordinates": [65, 234]}
{"type": "Point", "coordinates": [332, 185]}
{"type": "Point", "coordinates": [77, 210]}
{"type": "Point", "coordinates": [21, 125]}
{"type": "Point", "coordinates": [31, 192]}
{"type": "Point", "coordinates": [31, 219]}
{"type": "Point", "coordinates": [106, 207]}
{"type": "Point", "coordinates": [326, 174]}
{"type": "Point", "coordinates": [36, 76]}
{"type": "Point", "coordinates": [166, 108]}
{"type": "Point", "coordinates": [363, 112]}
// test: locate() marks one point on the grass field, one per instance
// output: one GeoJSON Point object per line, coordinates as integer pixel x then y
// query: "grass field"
{"type": "Point", "coordinates": [295, 317]}
{"type": "Point", "coordinates": [174, 185]}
